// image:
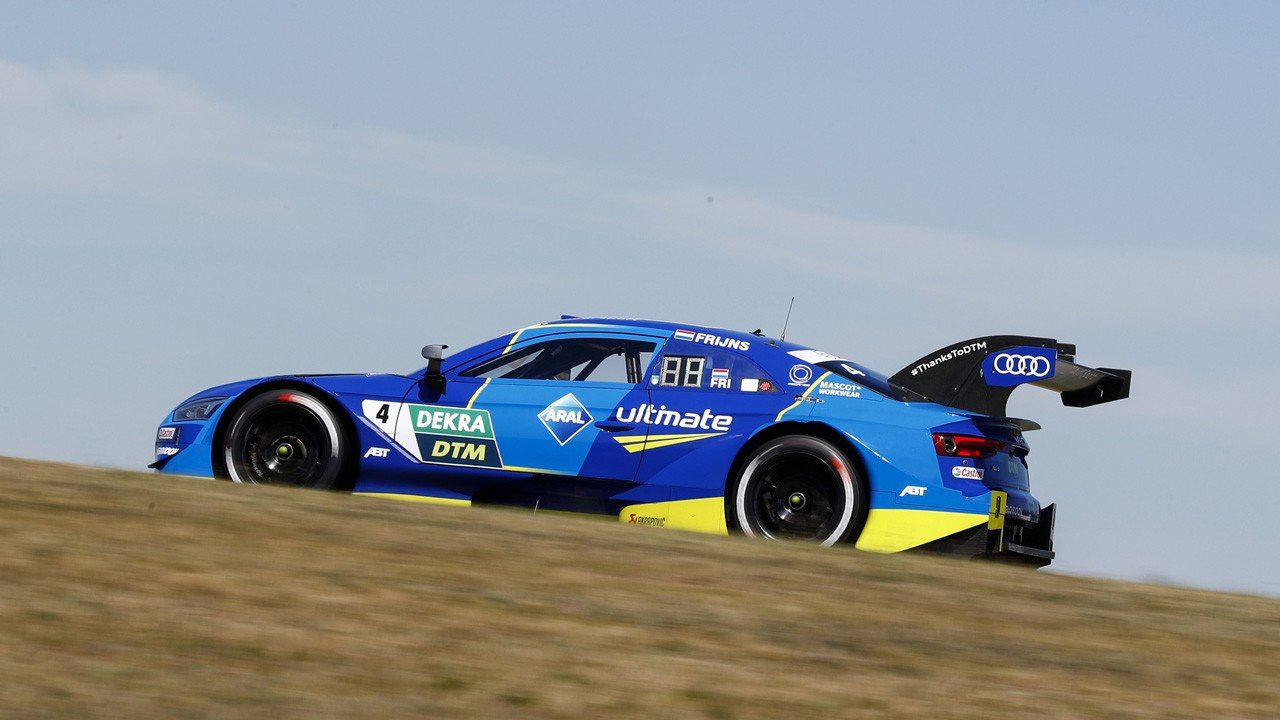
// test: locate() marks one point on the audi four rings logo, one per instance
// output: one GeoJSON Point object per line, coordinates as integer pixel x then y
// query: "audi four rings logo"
{"type": "Point", "coordinates": [1025, 365]}
{"type": "Point", "coordinates": [1011, 366]}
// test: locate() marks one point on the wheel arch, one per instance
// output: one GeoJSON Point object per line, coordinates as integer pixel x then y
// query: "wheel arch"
{"type": "Point", "coordinates": [816, 429]}
{"type": "Point", "coordinates": [345, 424]}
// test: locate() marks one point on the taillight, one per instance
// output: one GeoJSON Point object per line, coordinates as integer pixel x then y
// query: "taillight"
{"type": "Point", "coordinates": [966, 446]}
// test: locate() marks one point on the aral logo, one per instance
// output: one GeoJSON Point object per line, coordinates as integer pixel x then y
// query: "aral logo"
{"type": "Point", "coordinates": [565, 418]}
{"type": "Point", "coordinates": [455, 436]}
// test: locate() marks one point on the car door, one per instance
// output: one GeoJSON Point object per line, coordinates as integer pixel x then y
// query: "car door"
{"type": "Point", "coordinates": [704, 403]}
{"type": "Point", "coordinates": [548, 405]}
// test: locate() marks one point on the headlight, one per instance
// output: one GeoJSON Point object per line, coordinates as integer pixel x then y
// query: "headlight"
{"type": "Point", "coordinates": [197, 409]}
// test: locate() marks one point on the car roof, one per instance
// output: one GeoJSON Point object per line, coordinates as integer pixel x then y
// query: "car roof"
{"type": "Point", "coordinates": [775, 355]}
{"type": "Point", "coordinates": [662, 325]}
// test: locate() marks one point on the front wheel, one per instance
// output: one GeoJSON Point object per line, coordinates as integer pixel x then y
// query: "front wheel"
{"type": "Point", "coordinates": [798, 487]}
{"type": "Point", "coordinates": [285, 437]}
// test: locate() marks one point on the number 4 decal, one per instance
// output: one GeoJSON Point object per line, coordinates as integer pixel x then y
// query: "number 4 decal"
{"type": "Point", "coordinates": [381, 413]}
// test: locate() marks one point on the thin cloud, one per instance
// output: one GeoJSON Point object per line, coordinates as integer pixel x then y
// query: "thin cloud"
{"type": "Point", "coordinates": [127, 132]}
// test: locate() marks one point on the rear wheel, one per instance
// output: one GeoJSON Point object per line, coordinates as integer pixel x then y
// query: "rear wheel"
{"type": "Point", "coordinates": [285, 437]}
{"type": "Point", "coordinates": [798, 487]}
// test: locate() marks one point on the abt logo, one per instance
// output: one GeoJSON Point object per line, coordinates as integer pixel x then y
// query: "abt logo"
{"type": "Point", "coordinates": [912, 490]}
{"type": "Point", "coordinates": [378, 452]}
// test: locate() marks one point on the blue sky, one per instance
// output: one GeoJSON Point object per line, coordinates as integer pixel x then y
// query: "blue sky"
{"type": "Point", "coordinates": [190, 196]}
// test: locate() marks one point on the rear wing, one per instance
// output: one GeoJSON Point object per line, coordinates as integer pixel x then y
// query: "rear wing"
{"type": "Point", "coordinates": [980, 374]}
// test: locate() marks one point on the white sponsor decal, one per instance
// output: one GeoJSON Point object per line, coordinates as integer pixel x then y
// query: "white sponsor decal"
{"type": "Point", "coordinates": [381, 413]}
{"type": "Point", "coordinates": [851, 369]}
{"type": "Point", "coordinates": [912, 490]}
{"type": "Point", "coordinates": [720, 378]}
{"type": "Point", "coordinates": [167, 451]}
{"type": "Point", "coordinates": [839, 389]}
{"type": "Point", "coordinates": [167, 433]}
{"type": "Point", "coordinates": [801, 374]}
{"type": "Point", "coordinates": [813, 357]}
{"type": "Point", "coordinates": [1022, 365]}
{"type": "Point", "coordinates": [650, 415]}
{"type": "Point", "coordinates": [714, 340]}
{"type": "Point", "coordinates": [565, 418]}
{"type": "Point", "coordinates": [965, 472]}
{"type": "Point", "coordinates": [378, 452]}
{"type": "Point", "coordinates": [449, 420]}
{"type": "Point", "coordinates": [750, 384]}
{"type": "Point", "coordinates": [962, 350]}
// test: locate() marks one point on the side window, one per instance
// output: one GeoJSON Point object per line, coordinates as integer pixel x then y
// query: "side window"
{"type": "Point", "coordinates": [682, 371]}
{"type": "Point", "coordinates": [576, 360]}
{"type": "Point", "coordinates": [719, 369]}
{"type": "Point", "coordinates": [625, 366]}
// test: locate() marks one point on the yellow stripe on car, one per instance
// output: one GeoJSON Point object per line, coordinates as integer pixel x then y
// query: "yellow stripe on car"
{"type": "Point", "coordinates": [636, 443]}
{"type": "Point", "coordinates": [458, 502]}
{"type": "Point", "coordinates": [803, 396]}
{"type": "Point", "coordinates": [476, 395]}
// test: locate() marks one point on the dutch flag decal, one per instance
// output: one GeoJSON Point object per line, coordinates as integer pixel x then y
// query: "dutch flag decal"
{"type": "Point", "coordinates": [686, 335]}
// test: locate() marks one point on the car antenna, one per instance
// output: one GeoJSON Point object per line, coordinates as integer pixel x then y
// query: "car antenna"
{"type": "Point", "coordinates": [788, 320]}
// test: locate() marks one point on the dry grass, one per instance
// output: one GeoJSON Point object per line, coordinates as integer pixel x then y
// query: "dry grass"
{"type": "Point", "coordinates": [140, 596]}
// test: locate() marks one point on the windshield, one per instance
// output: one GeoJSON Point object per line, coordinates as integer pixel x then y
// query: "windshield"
{"type": "Point", "coordinates": [870, 378]}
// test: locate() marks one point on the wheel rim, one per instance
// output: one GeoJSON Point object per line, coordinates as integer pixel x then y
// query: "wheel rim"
{"type": "Point", "coordinates": [796, 495]}
{"type": "Point", "coordinates": [282, 443]}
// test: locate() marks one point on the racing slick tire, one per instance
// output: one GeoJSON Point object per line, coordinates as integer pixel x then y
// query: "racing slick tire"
{"type": "Point", "coordinates": [798, 487]}
{"type": "Point", "coordinates": [286, 437]}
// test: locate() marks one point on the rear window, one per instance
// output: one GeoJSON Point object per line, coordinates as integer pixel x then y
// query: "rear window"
{"type": "Point", "coordinates": [871, 379]}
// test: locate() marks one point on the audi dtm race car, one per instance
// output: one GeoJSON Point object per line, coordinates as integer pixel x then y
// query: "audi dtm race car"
{"type": "Point", "coordinates": [668, 425]}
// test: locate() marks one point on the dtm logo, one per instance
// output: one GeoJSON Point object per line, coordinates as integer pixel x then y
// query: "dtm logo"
{"type": "Point", "coordinates": [565, 418]}
{"type": "Point", "coordinates": [1017, 365]}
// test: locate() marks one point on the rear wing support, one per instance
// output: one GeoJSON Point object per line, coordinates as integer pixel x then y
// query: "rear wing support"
{"type": "Point", "coordinates": [979, 374]}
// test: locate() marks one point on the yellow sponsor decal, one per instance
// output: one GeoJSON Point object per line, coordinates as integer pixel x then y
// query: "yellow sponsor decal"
{"type": "Point", "coordinates": [700, 515]}
{"type": "Point", "coordinates": [636, 443]}
{"type": "Point", "coordinates": [894, 530]}
{"type": "Point", "coordinates": [458, 502]}
{"type": "Point", "coordinates": [995, 518]}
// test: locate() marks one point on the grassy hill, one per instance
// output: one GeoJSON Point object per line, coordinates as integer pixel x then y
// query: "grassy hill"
{"type": "Point", "coordinates": [140, 596]}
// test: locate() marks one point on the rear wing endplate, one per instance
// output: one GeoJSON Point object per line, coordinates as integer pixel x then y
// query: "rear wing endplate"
{"type": "Point", "coordinates": [979, 374]}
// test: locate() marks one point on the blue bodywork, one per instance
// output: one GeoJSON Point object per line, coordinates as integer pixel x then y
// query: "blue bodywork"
{"type": "Point", "coordinates": [607, 447]}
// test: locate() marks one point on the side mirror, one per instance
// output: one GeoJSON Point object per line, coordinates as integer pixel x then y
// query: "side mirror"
{"type": "Point", "coordinates": [433, 378]}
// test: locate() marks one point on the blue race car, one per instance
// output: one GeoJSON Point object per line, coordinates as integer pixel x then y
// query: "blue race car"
{"type": "Point", "coordinates": [668, 425]}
